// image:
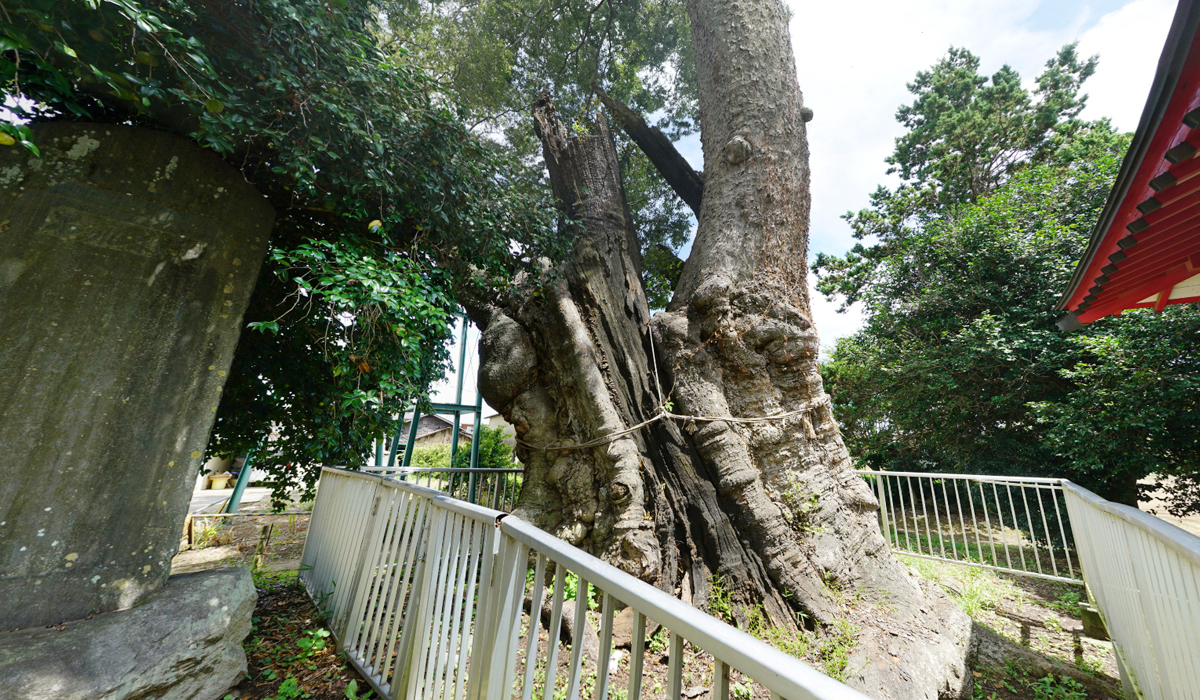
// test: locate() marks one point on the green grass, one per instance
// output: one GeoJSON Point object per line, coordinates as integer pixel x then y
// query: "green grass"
{"type": "Point", "coordinates": [1068, 601]}
{"type": "Point", "coordinates": [1057, 688]}
{"type": "Point", "coordinates": [936, 545]}
{"type": "Point", "coordinates": [264, 578]}
{"type": "Point", "coordinates": [720, 600]}
{"type": "Point", "coordinates": [984, 551]}
{"type": "Point", "coordinates": [829, 647]}
{"type": "Point", "coordinates": [974, 590]}
{"type": "Point", "coordinates": [1018, 682]}
{"type": "Point", "coordinates": [833, 649]}
{"type": "Point", "coordinates": [211, 532]}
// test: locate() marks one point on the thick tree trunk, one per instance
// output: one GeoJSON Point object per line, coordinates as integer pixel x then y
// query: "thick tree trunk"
{"type": "Point", "coordinates": [771, 509]}
{"type": "Point", "coordinates": [566, 359]}
{"type": "Point", "coordinates": [739, 341]}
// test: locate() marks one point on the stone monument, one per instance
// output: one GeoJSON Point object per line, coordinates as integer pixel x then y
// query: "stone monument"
{"type": "Point", "coordinates": [127, 258]}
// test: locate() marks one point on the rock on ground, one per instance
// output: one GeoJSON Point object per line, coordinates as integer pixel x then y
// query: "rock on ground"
{"type": "Point", "coordinates": [622, 635]}
{"type": "Point", "coordinates": [185, 642]}
{"type": "Point", "coordinates": [993, 651]}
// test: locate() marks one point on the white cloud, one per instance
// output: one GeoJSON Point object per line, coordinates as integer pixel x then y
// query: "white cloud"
{"type": "Point", "coordinates": [1129, 42]}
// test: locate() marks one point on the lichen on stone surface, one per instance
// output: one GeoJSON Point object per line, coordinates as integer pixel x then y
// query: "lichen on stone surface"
{"type": "Point", "coordinates": [11, 175]}
{"type": "Point", "coordinates": [83, 146]}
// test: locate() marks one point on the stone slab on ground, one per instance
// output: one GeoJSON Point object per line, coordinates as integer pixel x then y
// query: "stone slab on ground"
{"type": "Point", "coordinates": [622, 635]}
{"type": "Point", "coordinates": [200, 559]}
{"type": "Point", "coordinates": [566, 633]}
{"type": "Point", "coordinates": [184, 642]}
{"type": "Point", "coordinates": [993, 651]}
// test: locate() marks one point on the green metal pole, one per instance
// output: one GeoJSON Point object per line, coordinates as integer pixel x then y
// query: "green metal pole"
{"type": "Point", "coordinates": [379, 452]}
{"type": "Point", "coordinates": [476, 435]}
{"type": "Point", "coordinates": [462, 369]}
{"type": "Point", "coordinates": [475, 439]}
{"type": "Point", "coordinates": [235, 500]}
{"type": "Point", "coordinates": [396, 441]}
{"type": "Point", "coordinates": [412, 439]}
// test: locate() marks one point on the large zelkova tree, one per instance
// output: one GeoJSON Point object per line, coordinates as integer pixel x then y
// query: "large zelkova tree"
{"type": "Point", "coordinates": [384, 197]}
{"type": "Point", "coordinates": [958, 282]}
{"type": "Point", "coordinates": [746, 486]}
{"type": "Point", "coordinates": [752, 490]}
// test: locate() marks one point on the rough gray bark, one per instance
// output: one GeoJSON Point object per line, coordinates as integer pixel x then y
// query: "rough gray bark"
{"type": "Point", "coordinates": [772, 509]}
{"type": "Point", "coordinates": [566, 359]}
{"type": "Point", "coordinates": [740, 342]}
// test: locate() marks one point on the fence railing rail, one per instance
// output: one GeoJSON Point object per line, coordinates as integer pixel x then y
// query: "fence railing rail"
{"type": "Point", "coordinates": [425, 594]}
{"type": "Point", "coordinates": [1013, 524]}
{"type": "Point", "coordinates": [492, 488]}
{"type": "Point", "coordinates": [1144, 574]}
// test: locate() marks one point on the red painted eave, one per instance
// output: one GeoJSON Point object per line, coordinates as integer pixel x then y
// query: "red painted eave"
{"type": "Point", "coordinates": [1148, 239]}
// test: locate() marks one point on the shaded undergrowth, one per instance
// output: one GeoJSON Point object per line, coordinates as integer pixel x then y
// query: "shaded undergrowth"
{"type": "Point", "coordinates": [290, 652]}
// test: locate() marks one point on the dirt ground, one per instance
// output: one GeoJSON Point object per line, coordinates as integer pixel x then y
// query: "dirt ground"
{"type": "Point", "coordinates": [290, 653]}
{"type": "Point", "coordinates": [1041, 615]}
{"type": "Point", "coordinates": [219, 542]}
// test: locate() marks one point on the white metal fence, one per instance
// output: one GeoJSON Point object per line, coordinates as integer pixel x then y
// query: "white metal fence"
{"type": "Point", "coordinates": [1144, 574]}
{"type": "Point", "coordinates": [1013, 524]}
{"type": "Point", "coordinates": [425, 595]}
{"type": "Point", "coordinates": [492, 488]}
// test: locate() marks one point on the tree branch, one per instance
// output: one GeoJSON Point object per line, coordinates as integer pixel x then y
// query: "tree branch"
{"type": "Point", "coordinates": [658, 148]}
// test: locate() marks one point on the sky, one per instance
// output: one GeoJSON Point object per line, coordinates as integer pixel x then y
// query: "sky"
{"type": "Point", "coordinates": [855, 57]}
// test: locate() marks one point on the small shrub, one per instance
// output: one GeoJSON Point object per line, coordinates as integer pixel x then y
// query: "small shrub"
{"type": "Point", "coordinates": [793, 644]}
{"type": "Point", "coordinates": [289, 689]}
{"type": "Point", "coordinates": [803, 506]}
{"type": "Point", "coordinates": [264, 578]}
{"type": "Point", "coordinates": [431, 456]}
{"type": "Point", "coordinates": [1060, 688]}
{"type": "Point", "coordinates": [352, 692]}
{"type": "Point", "coordinates": [720, 600]}
{"type": "Point", "coordinates": [571, 591]}
{"type": "Point", "coordinates": [657, 644]}
{"type": "Point", "coordinates": [211, 534]}
{"type": "Point", "coordinates": [1068, 602]}
{"type": "Point", "coordinates": [834, 648]}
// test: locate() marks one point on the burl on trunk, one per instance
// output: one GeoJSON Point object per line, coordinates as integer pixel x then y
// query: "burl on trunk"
{"type": "Point", "coordinates": [771, 509]}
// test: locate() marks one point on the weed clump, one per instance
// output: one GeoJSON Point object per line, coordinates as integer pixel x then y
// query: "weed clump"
{"type": "Point", "coordinates": [829, 647]}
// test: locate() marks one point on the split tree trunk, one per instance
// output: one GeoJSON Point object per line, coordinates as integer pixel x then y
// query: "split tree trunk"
{"type": "Point", "coordinates": [567, 359]}
{"type": "Point", "coordinates": [771, 510]}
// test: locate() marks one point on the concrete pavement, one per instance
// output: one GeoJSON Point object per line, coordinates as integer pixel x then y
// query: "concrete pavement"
{"type": "Point", "coordinates": [207, 500]}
